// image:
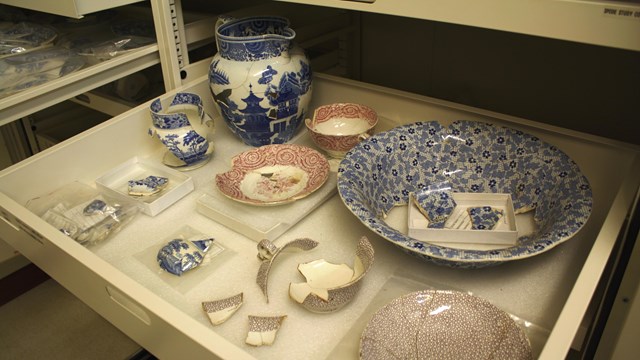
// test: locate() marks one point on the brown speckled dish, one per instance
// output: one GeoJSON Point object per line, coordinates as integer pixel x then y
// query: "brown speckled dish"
{"type": "Point", "coordinates": [435, 324]}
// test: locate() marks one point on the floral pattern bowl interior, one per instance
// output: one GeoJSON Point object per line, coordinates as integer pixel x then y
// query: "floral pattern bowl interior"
{"type": "Point", "coordinates": [338, 127]}
{"type": "Point", "coordinates": [384, 170]}
{"type": "Point", "coordinates": [274, 174]}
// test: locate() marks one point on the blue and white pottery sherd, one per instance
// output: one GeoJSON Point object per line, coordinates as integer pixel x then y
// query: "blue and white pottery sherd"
{"type": "Point", "coordinates": [436, 204]}
{"type": "Point", "coordinates": [484, 217]}
{"type": "Point", "coordinates": [97, 206]}
{"type": "Point", "coordinates": [180, 255]}
{"type": "Point", "coordinates": [185, 130]}
{"type": "Point", "coordinates": [23, 70]}
{"type": "Point", "coordinates": [147, 186]}
{"type": "Point", "coordinates": [260, 81]}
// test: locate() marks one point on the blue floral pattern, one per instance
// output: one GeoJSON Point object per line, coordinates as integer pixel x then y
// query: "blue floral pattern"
{"type": "Point", "coordinates": [175, 130]}
{"type": "Point", "coordinates": [255, 38]}
{"type": "Point", "coordinates": [181, 255]}
{"type": "Point", "coordinates": [381, 172]}
{"type": "Point", "coordinates": [484, 217]}
{"type": "Point", "coordinates": [436, 204]}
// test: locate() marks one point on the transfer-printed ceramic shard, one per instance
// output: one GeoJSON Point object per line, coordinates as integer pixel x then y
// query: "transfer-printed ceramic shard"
{"type": "Point", "coordinates": [263, 329]}
{"type": "Point", "coordinates": [484, 217]}
{"type": "Point", "coordinates": [267, 253]}
{"type": "Point", "coordinates": [435, 204]}
{"type": "Point", "coordinates": [95, 207]}
{"type": "Point", "coordinates": [181, 255]}
{"type": "Point", "coordinates": [220, 310]}
{"type": "Point", "coordinates": [147, 186]}
{"type": "Point", "coordinates": [329, 287]}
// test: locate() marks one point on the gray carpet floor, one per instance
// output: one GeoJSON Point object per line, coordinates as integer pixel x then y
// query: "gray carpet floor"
{"type": "Point", "coordinates": [48, 322]}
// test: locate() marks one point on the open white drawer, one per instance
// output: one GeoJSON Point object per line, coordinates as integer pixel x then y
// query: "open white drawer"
{"type": "Point", "coordinates": [551, 290]}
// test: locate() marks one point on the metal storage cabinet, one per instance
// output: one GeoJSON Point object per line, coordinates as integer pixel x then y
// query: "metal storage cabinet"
{"type": "Point", "coordinates": [606, 23]}
{"type": "Point", "coordinates": [70, 8]}
{"type": "Point", "coordinates": [29, 101]}
{"type": "Point", "coordinates": [552, 290]}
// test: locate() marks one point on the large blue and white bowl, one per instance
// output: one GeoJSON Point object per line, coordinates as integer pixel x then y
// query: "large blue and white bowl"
{"type": "Point", "coordinates": [382, 171]}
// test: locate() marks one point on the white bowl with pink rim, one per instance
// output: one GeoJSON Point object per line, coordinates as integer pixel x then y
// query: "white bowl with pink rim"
{"type": "Point", "coordinates": [336, 128]}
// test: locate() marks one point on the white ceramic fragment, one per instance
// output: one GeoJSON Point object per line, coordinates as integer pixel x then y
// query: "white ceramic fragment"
{"type": "Point", "coordinates": [267, 253]}
{"type": "Point", "coordinates": [329, 287]}
{"type": "Point", "coordinates": [321, 276]}
{"type": "Point", "coordinates": [221, 310]}
{"type": "Point", "coordinates": [263, 329]}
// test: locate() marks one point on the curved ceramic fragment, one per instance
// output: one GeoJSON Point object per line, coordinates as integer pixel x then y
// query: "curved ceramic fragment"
{"type": "Point", "coordinates": [147, 186]}
{"type": "Point", "coordinates": [436, 203]}
{"type": "Point", "coordinates": [220, 310]}
{"type": "Point", "coordinates": [181, 255]}
{"type": "Point", "coordinates": [484, 217]}
{"type": "Point", "coordinates": [263, 329]}
{"type": "Point", "coordinates": [184, 128]}
{"type": "Point", "coordinates": [321, 276]}
{"type": "Point", "coordinates": [267, 253]}
{"type": "Point", "coordinates": [329, 286]}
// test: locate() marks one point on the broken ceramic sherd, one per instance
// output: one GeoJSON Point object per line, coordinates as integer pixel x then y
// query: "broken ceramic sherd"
{"type": "Point", "coordinates": [220, 310]}
{"type": "Point", "coordinates": [329, 286]}
{"type": "Point", "coordinates": [435, 204]}
{"type": "Point", "coordinates": [147, 186]}
{"type": "Point", "coordinates": [484, 217]}
{"type": "Point", "coordinates": [263, 329]}
{"type": "Point", "coordinates": [181, 255]}
{"type": "Point", "coordinates": [267, 253]}
{"type": "Point", "coordinates": [97, 206]}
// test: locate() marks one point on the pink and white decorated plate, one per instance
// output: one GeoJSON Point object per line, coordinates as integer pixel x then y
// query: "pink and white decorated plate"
{"type": "Point", "coordinates": [274, 174]}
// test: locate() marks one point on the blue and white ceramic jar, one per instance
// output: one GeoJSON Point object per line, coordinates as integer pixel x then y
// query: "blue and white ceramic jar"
{"type": "Point", "coordinates": [184, 129]}
{"type": "Point", "coordinates": [260, 81]}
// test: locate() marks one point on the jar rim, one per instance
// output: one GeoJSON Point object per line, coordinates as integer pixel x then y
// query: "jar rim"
{"type": "Point", "coordinates": [287, 32]}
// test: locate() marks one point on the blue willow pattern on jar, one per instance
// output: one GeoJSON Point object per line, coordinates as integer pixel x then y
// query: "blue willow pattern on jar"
{"type": "Point", "coordinates": [260, 82]}
{"type": "Point", "coordinates": [177, 132]}
{"type": "Point", "coordinates": [382, 171]}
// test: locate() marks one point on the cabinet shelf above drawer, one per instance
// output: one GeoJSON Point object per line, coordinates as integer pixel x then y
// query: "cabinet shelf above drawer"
{"type": "Point", "coordinates": [70, 8]}
{"type": "Point", "coordinates": [40, 97]}
{"type": "Point", "coordinates": [604, 23]}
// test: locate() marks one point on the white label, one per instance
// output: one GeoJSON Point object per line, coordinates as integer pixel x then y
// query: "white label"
{"type": "Point", "coordinates": [621, 13]}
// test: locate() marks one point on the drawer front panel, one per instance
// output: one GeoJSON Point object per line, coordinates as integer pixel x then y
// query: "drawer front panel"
{"type": "Point", "coordinates": [143, 316]}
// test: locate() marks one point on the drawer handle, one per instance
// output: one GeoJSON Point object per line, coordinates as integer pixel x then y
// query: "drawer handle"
{"type": "Point", "coordinates": [5, 218]}
{"type": "Point", "coordinates": [128, 304]}
{"type": "Point", "coordinates": [84, 98]}
{"type": "Point", "coordinates": [31, 232]}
